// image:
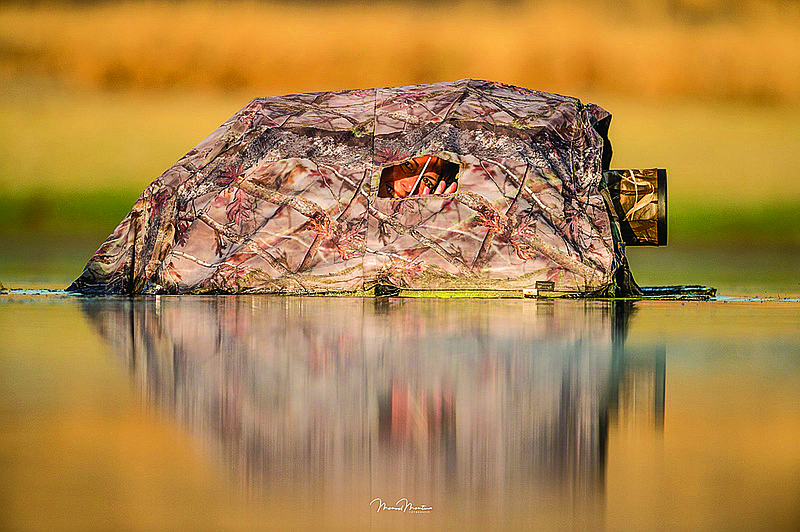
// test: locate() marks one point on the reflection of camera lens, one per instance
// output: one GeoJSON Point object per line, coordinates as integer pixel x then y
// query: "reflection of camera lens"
{"type": "Point", "coordinates": [639, 200]}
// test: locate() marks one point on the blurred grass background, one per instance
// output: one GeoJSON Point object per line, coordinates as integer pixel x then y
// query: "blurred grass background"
{"type": "Point", "coordinates": [98, 98]}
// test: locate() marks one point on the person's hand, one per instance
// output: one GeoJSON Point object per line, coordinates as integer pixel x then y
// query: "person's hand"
{"type": "Point", "coordinates": [441, 188]}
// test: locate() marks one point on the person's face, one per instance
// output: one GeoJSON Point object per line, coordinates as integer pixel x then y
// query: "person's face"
{"type": "Point", "coordinates": [399, 181]}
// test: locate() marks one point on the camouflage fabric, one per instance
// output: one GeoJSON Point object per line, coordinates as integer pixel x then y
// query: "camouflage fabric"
{"type": "Point", "coordinates": [639, 198]}
{"type": "Point", "coordinates": [283, 198]}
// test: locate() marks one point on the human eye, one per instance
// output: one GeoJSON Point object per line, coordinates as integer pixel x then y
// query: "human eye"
{"type": "Point", "coordinates": [409, 166]}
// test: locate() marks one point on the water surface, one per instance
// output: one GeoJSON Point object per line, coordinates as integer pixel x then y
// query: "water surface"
{"type": "Point", "coordinates": [249, 412]}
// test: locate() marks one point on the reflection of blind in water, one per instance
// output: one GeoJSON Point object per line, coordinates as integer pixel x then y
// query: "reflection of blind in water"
{"type": "Point", "coordinates": [483, 408]}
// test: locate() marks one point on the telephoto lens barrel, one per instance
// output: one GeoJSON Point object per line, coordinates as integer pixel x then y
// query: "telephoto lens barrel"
{"type": "Point", "coordinates": [639, 200]}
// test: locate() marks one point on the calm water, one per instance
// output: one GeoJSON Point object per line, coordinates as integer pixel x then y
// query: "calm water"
{"type": "Point", "coordinates": [286, 413]}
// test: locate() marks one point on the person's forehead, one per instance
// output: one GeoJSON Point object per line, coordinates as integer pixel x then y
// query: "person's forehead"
{"type": "Point", "coordinates": [398, 176]}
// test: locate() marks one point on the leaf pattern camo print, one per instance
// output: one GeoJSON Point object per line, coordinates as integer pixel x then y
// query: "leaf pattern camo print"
{"type": "Point", "coordinates": [283, 198]}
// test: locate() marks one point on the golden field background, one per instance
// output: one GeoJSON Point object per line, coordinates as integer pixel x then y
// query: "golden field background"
{"type": "Point", "coordinates": [98, 98]}
{"type": "Point", "coordinates": [706, 49]}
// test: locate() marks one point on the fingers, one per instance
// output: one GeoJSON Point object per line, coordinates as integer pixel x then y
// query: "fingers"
{"type": "Point", "coordinates": [441, 188]}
